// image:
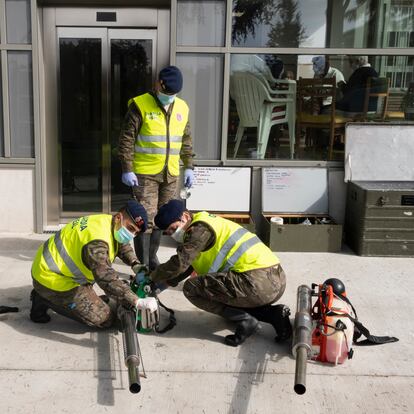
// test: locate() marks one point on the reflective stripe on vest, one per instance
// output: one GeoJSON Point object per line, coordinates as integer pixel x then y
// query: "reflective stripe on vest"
{"type": "Point", "coordinates": [141, 150]}
{"type": "Point", "coordinates": [59, 265]}
{"type": "Point", "coordinates": [231, 261]}
{"type": "Point", "coordinates": [158, 145]}
{"type": "Point", "coordinates": [157, 138]}
{"type": "Point", "coordinates": [78, 276]}
{"type": "Point", "coordinates": [227, 246]}
{"type": "Point", "coordinates": [235, 248]}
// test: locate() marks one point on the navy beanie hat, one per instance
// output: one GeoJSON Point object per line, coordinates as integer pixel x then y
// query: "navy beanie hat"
{"type": "Point", "coordinates": [168, 213]}
{"type": "Point", "coordinates": [171, 80]}
{"type": "Point", "coordinates": [137, 213]}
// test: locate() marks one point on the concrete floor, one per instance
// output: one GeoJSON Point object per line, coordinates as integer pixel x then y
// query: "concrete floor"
{"type": "Point", "coordinates": [64, 367]}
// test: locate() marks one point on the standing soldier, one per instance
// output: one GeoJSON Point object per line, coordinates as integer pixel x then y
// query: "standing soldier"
{"type": "Point", "coordinates": [238, 276]}
{"type": "Point", "coordinates": [68, 264]}
{"type": "Point", "coordinates": [154, 137]}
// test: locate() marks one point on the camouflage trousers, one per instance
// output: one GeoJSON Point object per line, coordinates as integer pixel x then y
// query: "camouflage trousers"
{"type": "Point", "coordinates": [214, 291]}
{"type": "Point", "coordinates": [153, 191]}
{"type": "Point", "coordinates": [81, 304]}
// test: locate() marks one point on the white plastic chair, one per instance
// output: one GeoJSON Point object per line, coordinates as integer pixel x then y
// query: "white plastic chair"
{"type": "Point", "coordinates": [260, 106]}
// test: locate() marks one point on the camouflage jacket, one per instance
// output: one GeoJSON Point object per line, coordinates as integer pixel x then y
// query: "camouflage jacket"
{"type": "Point", "coordinates": [95, 255]}
{"type": "Point", "coordinates": [197, 238]}
{"type": "Point", "coordinates": [130, 129]}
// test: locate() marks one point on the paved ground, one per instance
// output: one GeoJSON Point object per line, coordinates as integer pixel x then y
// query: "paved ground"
{"type": "Point", "coordinates": [62, 367]}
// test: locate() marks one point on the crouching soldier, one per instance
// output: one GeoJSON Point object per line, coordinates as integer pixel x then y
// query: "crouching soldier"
{"type": "Point", "coordinates": [238, 276]}
{"type": "Point", "coordinates": [81, 253]}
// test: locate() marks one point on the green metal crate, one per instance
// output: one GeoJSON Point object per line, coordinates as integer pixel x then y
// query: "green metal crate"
{"type": "Point", "coordinates": [295, 237]}
{"type": "Point", "coordinates": [379, 219]}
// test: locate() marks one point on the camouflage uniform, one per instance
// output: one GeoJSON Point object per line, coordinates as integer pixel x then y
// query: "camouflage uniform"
{"type": "Point", "coordinates": [153, 190]}
{"type": "Point", "coordinates": [82, 303]}
{"type": "Point", "coordinates": [213, 291]}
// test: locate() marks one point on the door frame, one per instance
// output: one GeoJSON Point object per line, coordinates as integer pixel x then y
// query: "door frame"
{"type": "Point", "coordinates": [155, 20]}
{"type": "Point", "coordinates": [105, 34]}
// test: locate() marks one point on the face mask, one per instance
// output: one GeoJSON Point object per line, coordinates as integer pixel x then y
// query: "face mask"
{"type": "Point", "coordinates": [165, 99]}
{"type": "Point", "coordinates": [178, 235]}
{"type": "Point", "coordinates": [123, 235]}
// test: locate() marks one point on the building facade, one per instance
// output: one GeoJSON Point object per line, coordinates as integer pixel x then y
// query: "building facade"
{"type": "Point", "coordinates": [68, 69]}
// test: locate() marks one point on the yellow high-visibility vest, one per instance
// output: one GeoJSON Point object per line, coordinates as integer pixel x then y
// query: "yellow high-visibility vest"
{"type": "Point", "coordinates": [158, 144]}
{"type": "Point", "coordinates": [235, 248]}
{"type": "Point", "coordinates": [58, 264]}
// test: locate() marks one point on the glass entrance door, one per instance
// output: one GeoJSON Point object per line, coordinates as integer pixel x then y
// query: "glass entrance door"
{"type": "Point", "coordinates": [100, 69]}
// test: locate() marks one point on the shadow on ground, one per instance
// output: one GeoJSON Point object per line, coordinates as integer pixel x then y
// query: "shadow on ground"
{"type": "Point", "coordinates": [19, 248]}
{"type": "Point", "coordinates": [64, 330]}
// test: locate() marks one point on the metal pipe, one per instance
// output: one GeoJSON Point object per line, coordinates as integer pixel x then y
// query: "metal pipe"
{"type": "Point", "coordinates": [300, 371]}
{"type": "Point", "coordinates": [302, 336]}
{"type": "Point", "coordinates": [131, 347]}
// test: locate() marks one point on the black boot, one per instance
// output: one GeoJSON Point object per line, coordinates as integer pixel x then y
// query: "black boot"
{"type": "Point", "coordinates": [246, 325]}
{"type": "Point", "coordinates": [38, 312]}
{"type": "Point", "coordinates": [155, 241]}
{"type": "Point", "coordinates": [277, 316]}
{"type": "Point", "coordinates": [142, 246]}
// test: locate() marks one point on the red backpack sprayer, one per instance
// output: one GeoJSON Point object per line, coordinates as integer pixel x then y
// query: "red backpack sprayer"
{"type": "Point", "coordinates": [326, 331]}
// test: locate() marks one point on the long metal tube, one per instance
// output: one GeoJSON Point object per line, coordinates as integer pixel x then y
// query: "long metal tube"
{"type": "Point", "coordinates": [302, 336]}
{"type": "Point", "coordinates": [300, 371]}
{"type": "Point", "coordinates": [131, 348]}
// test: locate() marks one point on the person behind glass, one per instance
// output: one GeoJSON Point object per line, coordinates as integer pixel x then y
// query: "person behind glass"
{"type": "Point", "coordinates": [238, 277]}
{"type": "Point", "coordinates": [68, 264]}
{"type": "Point", "coordinates": [252, 64]}
{"type": "Point", "coordinates": [354, 90]}
{"type": "Point", "coordinates": [154, 137]}
{"type": "Point", "coordinates": [323, 70]}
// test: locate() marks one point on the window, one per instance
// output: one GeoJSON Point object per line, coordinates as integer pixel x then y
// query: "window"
{"type": "Point", "coordinates": [17, 134]}
{"type": "Point", "coordinates": [18, 21]}
{"type": "Point", "coordinates": [293, 29]}
{"type": "Point", "coordinates": [201, 23]}
{"type": "Point", "coordinates": [203, 91]}
{"type": "Point", "coordinates": [322, 23]}
{"type": "Point", "coordinates": [20, 103]}
{"type": "Point", "coordinates": [258, 80]}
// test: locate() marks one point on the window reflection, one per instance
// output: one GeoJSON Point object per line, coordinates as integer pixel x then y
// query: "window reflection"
{"type": "Point", "coordinates": [323, 23]}
{"type": "Point", "coordinates": [365, 88]}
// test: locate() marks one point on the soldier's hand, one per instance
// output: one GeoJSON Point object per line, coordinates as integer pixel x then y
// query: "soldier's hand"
{"type": "Point", "coordinates": [141, 272]}
{"type": "Point", "coordinates": [130, 179]}
{"type": "Point", "coordinates": [148, 312]}
{"type": "Point", "coordinates": [139, 267]}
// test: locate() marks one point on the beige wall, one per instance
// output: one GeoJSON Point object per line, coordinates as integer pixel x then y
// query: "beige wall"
{"type": "Point", "coordinates": [17, 200]}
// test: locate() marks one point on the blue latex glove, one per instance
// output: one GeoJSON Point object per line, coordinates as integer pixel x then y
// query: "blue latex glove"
{"type": "Point", "coordinates": [130, 179]}
{"type": "Point", "coordinates": [188, 178]}
{"type": "Point", "coordinates": [141, 277]}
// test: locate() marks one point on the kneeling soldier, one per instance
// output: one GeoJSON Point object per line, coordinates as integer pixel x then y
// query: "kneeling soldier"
{"type": "Point", "coordinates": [238, 276]}
{"type": "Point", "coordinates": [81, 253]}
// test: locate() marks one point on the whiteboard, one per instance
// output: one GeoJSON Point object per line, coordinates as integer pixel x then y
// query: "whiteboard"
{"type": "Point", "coordinates": [220, 189]}
{"type": "Point", "coordinates": [295, 190]}
{"type": "Point", "coordinates": [379, 152]}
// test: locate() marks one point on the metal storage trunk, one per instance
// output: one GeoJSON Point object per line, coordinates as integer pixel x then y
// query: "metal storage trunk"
{"type": "Point", "coordinates": [379, 219]}
{"type": "Point", "coordinates": [297, 194]}
{"type": "Point", "coordinates": [323, 235]}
